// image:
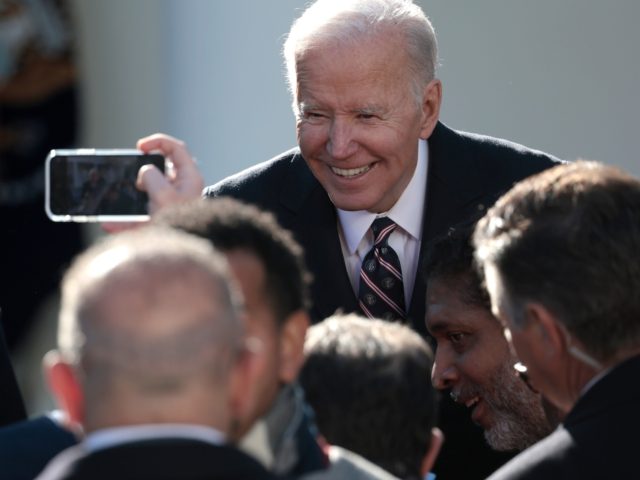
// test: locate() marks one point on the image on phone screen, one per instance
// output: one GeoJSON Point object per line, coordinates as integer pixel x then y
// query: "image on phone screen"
{"type": "Point", "coordinates": [97, 185]}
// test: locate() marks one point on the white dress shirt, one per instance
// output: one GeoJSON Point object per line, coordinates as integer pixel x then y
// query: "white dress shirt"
{"type": "Point", "coordinates": [356, 238]}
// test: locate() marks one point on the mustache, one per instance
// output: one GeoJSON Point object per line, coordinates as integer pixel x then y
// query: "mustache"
{"type": "Point", "coordinates": [466, 392]}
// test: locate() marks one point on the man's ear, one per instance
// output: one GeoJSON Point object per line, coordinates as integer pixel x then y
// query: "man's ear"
{"type": "Point", "coordinates": [292, 336]}
{"type": "Point", "coordinates": [431, 100]}
{"type": "Point", "coordinates": [243, 374]}
{"type": "Point", "coordinates": [63, 382]}
{"type": "Point", "coordinates": [547, 331]}
{"type": "Point", "coordinates": [437, 439]}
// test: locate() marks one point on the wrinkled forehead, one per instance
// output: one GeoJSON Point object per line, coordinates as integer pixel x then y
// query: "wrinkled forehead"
{"type": "Point", "coordinates": [362, 45]}
{"type": "Point", "coordinates": [447, 307]}
{"type": "Point", "coordinates": [366, 74]}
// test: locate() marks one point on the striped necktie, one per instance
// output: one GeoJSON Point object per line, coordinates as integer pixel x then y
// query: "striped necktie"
{"type": "Point", "coordinates": [381, 293]}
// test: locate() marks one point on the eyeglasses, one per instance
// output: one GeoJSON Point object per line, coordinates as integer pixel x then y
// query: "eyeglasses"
{"type": "Point", "coordinates": [522, 373]}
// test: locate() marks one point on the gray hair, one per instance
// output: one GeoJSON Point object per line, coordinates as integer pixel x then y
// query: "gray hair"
{"type": "Point", "coordinates": [350, 20]}
{"type": "Point", "coordinates": [569, 238]}
{"type": "Point", "coordinates": [145, 265]}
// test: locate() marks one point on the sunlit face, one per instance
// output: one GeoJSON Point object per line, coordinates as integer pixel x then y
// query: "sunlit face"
{"type": "Point", "coordinates": [360, 122]}
{"type": "Point", "coordinates": [473, 361]}
{"type": "Point", "coordinates": [261, 324]}
{"type": "Point", "coordinates": [515, 336]}
{"type": "Point", "coordinates": [524, 340]}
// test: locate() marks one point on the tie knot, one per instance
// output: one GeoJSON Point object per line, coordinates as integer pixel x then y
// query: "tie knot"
{"type": "Point", "coordinates": [382, 228]}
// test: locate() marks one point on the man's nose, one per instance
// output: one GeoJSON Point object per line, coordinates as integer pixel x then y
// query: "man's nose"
{"type": "Point", "coordinates": [444, 374]}
{"type": "Point", "coordinates": [341, 144]}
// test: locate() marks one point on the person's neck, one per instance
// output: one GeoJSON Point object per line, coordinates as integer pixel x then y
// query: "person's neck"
{"type": "Point", "coordinates": [130, 414]}
{"type": "Point", "coordinates": [583, 375]}
{"type": "Point", "coordinates": [577, 378]}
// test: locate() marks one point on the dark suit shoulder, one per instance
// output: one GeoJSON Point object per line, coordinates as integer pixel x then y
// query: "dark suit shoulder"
{"type": "Point", "coordinates": [26, 447]}
{"type": "Point", "coordinates": [159, 459]}
{"type": "Point", "coordinates": [489, 157]}
{"type": "Point", "coordinates": [548, 459]}
{"type": "Point", "coordinates": [597, 440]}
{"type": "Point", "coordinates": [476, 169]}
{"type": "Point", "coordinates": [269, 183]}
{"type": "Point", "coordinates": [282, 185]}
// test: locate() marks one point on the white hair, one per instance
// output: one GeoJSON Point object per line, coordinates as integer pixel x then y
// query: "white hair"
{"type": "Point", "coordinates": [349, 20]}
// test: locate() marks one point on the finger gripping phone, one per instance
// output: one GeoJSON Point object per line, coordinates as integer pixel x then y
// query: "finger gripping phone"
{"type": "Point", "coordinates": [93, 185]}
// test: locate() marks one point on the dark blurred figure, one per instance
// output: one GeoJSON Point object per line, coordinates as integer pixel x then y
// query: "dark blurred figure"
{"type": "Point", "coordinates": [10, 399]}
{"type": "Point", "coordinates": [38, 100]}
{"type": "Point", "coordinates": [368, 382]}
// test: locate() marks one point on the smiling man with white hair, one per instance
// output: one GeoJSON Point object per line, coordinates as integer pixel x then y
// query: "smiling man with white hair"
{"type": "Point", "coordinates": [375, 175]}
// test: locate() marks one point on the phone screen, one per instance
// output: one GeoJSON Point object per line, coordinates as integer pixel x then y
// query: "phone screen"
{"type": "Point", "coordinates": [97, 186]}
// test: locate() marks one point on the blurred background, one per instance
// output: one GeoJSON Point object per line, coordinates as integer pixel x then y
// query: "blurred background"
{"type": "Point", "coordinates": [557, 76]}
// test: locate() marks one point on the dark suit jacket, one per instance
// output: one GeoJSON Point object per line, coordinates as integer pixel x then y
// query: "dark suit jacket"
{"type": "Point", "coordinates": [466, 174]}
{"type": "Point", "coordinates": [11, 404]}
{"type": "Point", "coordinates": [597, 440]}
{"type": "Point", "coordinates": [26, 447]}
{"type": "Point", "coordinates": [160, 459]}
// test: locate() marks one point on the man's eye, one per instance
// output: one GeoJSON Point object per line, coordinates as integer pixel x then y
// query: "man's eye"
{"type": "Point", "coordinates": [366, 116]}
{"type": "Point", "coordinates": [457, 338]}
{"type": "Point", "coordinates": [313, 115]}
{"type": "Point", "coordinates": [460, 341]}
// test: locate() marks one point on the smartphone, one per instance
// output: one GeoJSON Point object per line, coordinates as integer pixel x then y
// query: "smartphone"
{"type": "Point", "coordinates": [92, 185]}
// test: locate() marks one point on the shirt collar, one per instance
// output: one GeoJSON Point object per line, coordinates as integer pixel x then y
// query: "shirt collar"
{"type": "Point", "coordinates": [108, 437]}
{"type": "Point", "coordinates": [407, 212]}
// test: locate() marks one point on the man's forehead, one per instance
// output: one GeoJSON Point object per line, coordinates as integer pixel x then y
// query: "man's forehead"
{"type": "Point", "coordinates": [442, 317]}
{"type": "Point", "coordinates": [447, 308]}
{"type": "Point", "coordinates": [365, 60]}
{"type": "Point", "coordinates": [355, 105]}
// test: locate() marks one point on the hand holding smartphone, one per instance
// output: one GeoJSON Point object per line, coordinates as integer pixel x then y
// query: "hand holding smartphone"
{"type": "Point", "coordinates": [89, 185]}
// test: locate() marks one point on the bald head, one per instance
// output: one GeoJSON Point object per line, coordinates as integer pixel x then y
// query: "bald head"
{"type": "Point", "coordinates": [150, 319]}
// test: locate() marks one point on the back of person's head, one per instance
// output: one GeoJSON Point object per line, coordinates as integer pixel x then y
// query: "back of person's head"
{"type": "Point", "coordinates": [368, 383]}
{"type": "Point", "coordinates": [270, 270]}
{"type": "Point", "coordinates": [568, 238]}
{"type": "Point", "coordinates": [232, 225]}
{"type": "Point", "coordinates": [450, 258]}
{"type": "Point", "coordinates": [149, 330]}
{"type": "Point", "coordinates": [353, 21]}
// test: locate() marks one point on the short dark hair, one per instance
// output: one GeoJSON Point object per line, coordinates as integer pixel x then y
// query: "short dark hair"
{"type": "Point", "coordinates": [368, 382]}
{"type": "Point", "coordinates": [569, 238]}
{"type": "Point", "coordinates": [449, 257]}
{"type": "Point", "coordinates": [230, 224]}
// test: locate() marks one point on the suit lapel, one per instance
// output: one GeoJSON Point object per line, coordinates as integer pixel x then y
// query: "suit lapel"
{"type": "Point", "coordinates": [449, 200]}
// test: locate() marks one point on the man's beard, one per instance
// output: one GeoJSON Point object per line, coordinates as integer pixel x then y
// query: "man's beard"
{"type": "Point", "coordinates": [518, 418]}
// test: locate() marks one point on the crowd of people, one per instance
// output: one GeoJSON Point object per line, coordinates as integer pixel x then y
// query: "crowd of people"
{"type": "Point", "coordinates": [390, 299]}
